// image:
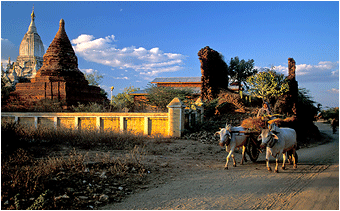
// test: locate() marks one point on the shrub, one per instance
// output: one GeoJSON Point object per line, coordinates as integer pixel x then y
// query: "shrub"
{"type": "Point", "coordinates": [160, 97]}
{"type": "Point", "coordinates": [91, 107]}
{"type": "Point", "coordinates": [330, 113]}
{"type": "Point", "coordinates": [24, 177]}
{"type": "Point", "coordinates": [124, 99]}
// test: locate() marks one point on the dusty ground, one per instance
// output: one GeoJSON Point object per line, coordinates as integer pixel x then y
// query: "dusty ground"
{"type": "Point", "coordinates": [190, 175]}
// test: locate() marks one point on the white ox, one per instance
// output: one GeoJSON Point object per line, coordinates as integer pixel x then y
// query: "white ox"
{"type": "Point", "coordinates": [232, 138]}
{"type": "Point", "coordinates": [278, 141]}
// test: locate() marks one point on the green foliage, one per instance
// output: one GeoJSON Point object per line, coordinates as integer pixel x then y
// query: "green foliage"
{"type": "Point", "coordinates": [40, 202]}
{"type": "Point", "coordinates": [162, 96]}
{"type": "Point", "coordinates": [124, 100]}
{"type": "Point", "coordinates": [6, 88]}
{"type": "Point", "coordinates": [306, 108]}
{"type": "Point", "coordinates": [94, 78]}
{"type": "Point", "coordinates": [103, 93]}
{"type": "Point", "coordinates": [267, 84]}
{"type": "Point", "coordinates": [330, 113]}
{"type": "Point", "coordinates": [239, 71]}
{"type": "Point", "coordinates": [91, 107]}
{"type": "Point", "coordinates": [210, 108]}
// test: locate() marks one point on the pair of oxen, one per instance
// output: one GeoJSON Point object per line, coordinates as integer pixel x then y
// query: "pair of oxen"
{"type": "Point", "coordinates": [278, 141]}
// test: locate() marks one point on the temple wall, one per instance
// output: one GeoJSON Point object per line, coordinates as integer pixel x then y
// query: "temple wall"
{"type": "Point", "coordinates": [169, 124]}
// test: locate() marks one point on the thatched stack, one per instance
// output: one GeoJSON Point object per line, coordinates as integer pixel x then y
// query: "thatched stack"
{"type": "Point", "coordinates": [254, 123]}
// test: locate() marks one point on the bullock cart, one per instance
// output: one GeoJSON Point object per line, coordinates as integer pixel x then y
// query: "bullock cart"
{"type": "Point", "coordinates": [253, 126]}
{"type": "Point", "coordinates": [253, 148]}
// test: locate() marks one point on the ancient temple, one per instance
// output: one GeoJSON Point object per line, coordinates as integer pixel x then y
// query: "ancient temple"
{"type": "Point", "coordinates": [214, 73]}
{"type": "Point", "coordinates": [287, 104]}
{"type": "Point", "coordinates": [59, 78]}
{"type": "Point", "coordinates": [30, 59]}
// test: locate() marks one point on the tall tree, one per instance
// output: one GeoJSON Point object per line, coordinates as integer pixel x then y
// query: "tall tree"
{"type": "Point", "coordinates": [267, 84]}
{"type": "Point", "coordinates": [162, 96]}
{"type": "Point", "coordinates": [124, 100]}
{"type": "Point", "coordinates": [95, 79]}
{"type": "Point", "coordinates": [240, 70]}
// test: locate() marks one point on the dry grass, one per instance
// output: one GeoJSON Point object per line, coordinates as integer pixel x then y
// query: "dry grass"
{"type": "Point", "coordinates": [254, 123]}
{"type": "Point", "coordinates": [283, 122]}
{"type": "Point", "coordinates": [30, 178]}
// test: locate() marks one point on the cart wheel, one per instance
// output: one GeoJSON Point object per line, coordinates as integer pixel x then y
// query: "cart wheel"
{"type": "Point", "coordinates": [252, 150]}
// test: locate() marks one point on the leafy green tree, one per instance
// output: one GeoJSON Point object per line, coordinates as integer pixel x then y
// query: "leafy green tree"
{"type": "Point", "coordinates": [267, 84]}
{"type": "Point", "coordinates": [91, 107]}
{"type": "Point", "coordinates": [162, 96]}
{"type": "Point", "coordinates": [330, 113]}
{"type": "Point", "coordinates": [6, 88]}
{"type": "Point", "coordinates": [306, 105]}
{"type": "Point", "coordinates": [124, 100]}
{"type": "Point", "coordinates": [95, 79]}
{"type": "Point", "coordinates": [240, 70]}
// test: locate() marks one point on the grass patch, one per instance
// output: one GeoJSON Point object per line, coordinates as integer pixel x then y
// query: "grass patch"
{"type": "Point", "coordinates": [73, 180]}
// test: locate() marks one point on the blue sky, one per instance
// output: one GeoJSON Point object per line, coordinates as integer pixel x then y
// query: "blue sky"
{"type": "Point", "coordinates": [131, 43]}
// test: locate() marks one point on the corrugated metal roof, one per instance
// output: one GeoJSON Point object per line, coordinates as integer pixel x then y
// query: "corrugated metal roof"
{"type": "Point", "coordinates": [196, 90]}
{"type": "Point", "coordinates": [177, 80]}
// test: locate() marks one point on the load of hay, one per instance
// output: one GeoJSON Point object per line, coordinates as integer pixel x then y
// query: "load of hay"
{"type": "Point", "coordinates": [254, 123]}
{"type": "Point", "coordinates": [287, 122]}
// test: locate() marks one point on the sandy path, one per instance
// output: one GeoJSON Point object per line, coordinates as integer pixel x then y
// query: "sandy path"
{"type": "Point", "coordinates": [314, 185]}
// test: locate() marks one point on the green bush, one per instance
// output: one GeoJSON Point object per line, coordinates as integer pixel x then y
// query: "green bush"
{"type": "Point", "coordinates": [160, 97]}
{"type": "Point", "coordinates": [330, 113]}
{"type": "Point", "coordinates": [91, 107]}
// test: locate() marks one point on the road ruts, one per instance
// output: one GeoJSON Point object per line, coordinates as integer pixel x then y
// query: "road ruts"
{"type": "Point", "coordinates": [313, 185]}
{"type": "Point", "coordinates": [292, 184]}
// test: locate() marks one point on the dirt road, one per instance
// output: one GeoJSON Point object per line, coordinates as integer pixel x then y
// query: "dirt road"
{"type": "Point", "coordinates": [313, 185]}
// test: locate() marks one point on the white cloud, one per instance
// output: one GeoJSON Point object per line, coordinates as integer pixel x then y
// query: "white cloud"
{"type": "Point", "coordinates": [123, 78]}
{"type": "Point", "coordinates": [88, 71]}
{"type": "Point", "coordinates": [147, 62]}
{"type": "Point", "coordinates": [334, 90]}
{"type": "Point", "coordinates": [156, 71]}
{"type": "Point", "coordinates": [85, 42]}
{"type": "Point", "coordinates": [8, 49]}
{"type": "Point", "coordinates": [323, 71]}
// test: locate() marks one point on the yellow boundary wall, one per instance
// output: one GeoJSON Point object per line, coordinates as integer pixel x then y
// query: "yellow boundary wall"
{"type": "Point", "coordinates": [169, 124]}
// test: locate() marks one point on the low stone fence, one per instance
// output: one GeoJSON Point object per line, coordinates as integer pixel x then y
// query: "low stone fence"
{"type": "Point", "coordinates": [169, 124]}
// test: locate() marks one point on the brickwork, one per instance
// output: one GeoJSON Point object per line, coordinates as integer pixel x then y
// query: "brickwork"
{"type": "Point", "coordinates": [214, 73]}
{"type": "Point", "coordinates": [59, 78]}
{"type": "Point", "coordinates": [287, 103]}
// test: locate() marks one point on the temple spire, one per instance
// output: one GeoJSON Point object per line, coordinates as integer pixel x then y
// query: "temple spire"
{"type": "Point", "coordinates": [32, 14]}
{"type": "Point", "coordinates": [32, 28]}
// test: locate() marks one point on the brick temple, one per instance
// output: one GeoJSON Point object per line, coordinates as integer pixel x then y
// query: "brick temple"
{"type": "Point", "coordinates": [59, 78]}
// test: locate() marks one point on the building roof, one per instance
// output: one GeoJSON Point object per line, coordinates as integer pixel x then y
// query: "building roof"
{"type": "Point", "coordinates": [196, 90]}
{"type": "Point", "coordinates": [139, 92]}
{"type": "Point", "coordinates": [177, 80]}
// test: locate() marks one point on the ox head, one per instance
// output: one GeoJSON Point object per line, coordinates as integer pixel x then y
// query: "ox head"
{"type": "Point", "coordinates": [225, 135]}
{"type": "Point", "coordinates": [273, 127]}
{"type": "Point", "coordinates": [268, 138]}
